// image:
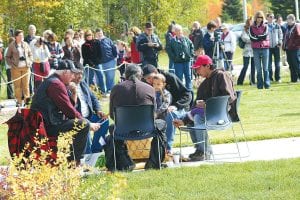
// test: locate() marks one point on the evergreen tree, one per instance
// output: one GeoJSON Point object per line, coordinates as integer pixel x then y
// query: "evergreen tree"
{"type": "Point", "coordinates": [232, 10]}
{"type": "Point", "coordinates": [283, 7]}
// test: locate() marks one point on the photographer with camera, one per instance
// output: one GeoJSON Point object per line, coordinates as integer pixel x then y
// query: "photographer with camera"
{"type": "Point", "coordinates": [19, 57]}
{"type": "Point", "coordinates": [181, 51]}
{"type": "Point", "coordinates": [55, 50]}
{"type": "Point", "coordinates": [210, 38]}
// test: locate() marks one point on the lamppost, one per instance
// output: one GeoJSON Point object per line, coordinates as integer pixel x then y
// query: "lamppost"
{"type": "Point", "coordinates": [297, 9]}
{"type": "Point", "coordinates": [245, 10]}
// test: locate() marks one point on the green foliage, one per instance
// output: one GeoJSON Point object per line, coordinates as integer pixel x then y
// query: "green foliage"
{"type": "Point", "coordinates": [56, 15]}
{"type": "Point", "coordinates": [283, 7]}
{"type": "Point", "coordinates": [232, 10]}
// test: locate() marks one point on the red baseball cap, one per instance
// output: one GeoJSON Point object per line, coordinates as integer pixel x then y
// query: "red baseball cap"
{"type": "Point", "coordinates": [202, 60]}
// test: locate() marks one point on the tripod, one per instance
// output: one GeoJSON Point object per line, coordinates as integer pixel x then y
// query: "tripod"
{"type": "Point", "coordinates": [218, 59]}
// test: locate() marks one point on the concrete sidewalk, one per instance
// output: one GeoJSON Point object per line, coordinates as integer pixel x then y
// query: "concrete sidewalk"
{"type": "Point", "coordinates": [273, 149]}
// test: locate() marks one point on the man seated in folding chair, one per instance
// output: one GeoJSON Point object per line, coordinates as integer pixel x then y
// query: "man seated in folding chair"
{"type": "Point", "coordinates": [217, 83]}
{"type": "Point", "coordinates": [132, 91]}
{"type": "Point", "coordinates": [59, 114]}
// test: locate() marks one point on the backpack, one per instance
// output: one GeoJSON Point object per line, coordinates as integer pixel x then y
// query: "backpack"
{"type": "Point", "coordinates": [241, 43]}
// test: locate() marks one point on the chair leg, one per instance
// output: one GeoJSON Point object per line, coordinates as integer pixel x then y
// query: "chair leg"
{"type": "Point", "coordinates": [159, 156]}
{"type": "Point", "coordinates": [236, 142]}
{"type": "Point", "coordinates": [180, 150]}
{"type": "Point", "coordinates": [248, 150]}
{"type": "Point", "coordinates": [212, 152]}
{"type": "Point", "coordinates": [115, 160]}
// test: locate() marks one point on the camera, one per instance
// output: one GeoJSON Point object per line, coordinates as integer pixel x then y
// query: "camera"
{"type": "Point", "coordinates": [182, 55]}
{"type": "Point", "coordinates": [217, 35]}
{"type": "Point", "coordinates": [22, 58]}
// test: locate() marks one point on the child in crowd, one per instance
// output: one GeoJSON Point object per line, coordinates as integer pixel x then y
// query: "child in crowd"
{"type": "Point", "coordinates": [163, 96]}
{"type": "Point", "coordinates": [123, 56]}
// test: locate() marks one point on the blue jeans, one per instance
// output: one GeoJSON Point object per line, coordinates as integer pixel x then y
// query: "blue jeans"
{"type": "Point", "coordinates": [184, 69]}
{"type": "Point", "coordinates": [198, 135]}
{"type": "Point", "coordinates": [109, 73]}
{"type": "Point", "coordinates": [293, 58]}
{"type": "Point", "coordinates": [242, 75]}
{"type": "Point", "coordinates": [261, 61]}
{"type": "Point", "coordinates": [100, 78]}
{"type": "Point", "coordinates": [228, 61]}
{"type": "Point", "coordinates": [276, 52]}
{"type": "Point", "coordinates": [171, 66]}
{"type": "Point", "coordinates": [170, 131]}
{"type": "Point", "coordinates": [89, 76]}
{"type": "Point", "coordinates": [95, 146]}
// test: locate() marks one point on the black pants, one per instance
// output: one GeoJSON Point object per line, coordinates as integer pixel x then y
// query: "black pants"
{"type": "Point", "coordinates": [9, 89]}
{"type": "Point", "coordinates": [293, 58]}
{"type": "Point", "coordinates": [246, 61]}
{"type": "Point", "coordinates": [79, 139]}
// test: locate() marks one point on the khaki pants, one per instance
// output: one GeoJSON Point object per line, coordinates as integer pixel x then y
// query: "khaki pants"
{"type": "Point", "coordinates": [21, 85]}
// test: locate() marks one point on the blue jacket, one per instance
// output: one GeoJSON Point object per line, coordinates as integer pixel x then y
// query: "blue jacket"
{"type": "Point", "coordinates": [108, 49]}
{"type": "Point", "coordinates": [91, 99]}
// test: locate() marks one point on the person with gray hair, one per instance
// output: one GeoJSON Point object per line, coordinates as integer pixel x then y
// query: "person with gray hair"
{"type": "Point", "coordinates": [135, 91]}
{"type": "Point", "coordinates": [181, 51]}
{"type": "Point", "coordinates": [31, 33]}
{"type": "Point", "coordinates": [291, 44]}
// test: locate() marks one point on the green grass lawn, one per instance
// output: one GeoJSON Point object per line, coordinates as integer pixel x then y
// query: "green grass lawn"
{"type": "Point", "coordinates": [253, 180]}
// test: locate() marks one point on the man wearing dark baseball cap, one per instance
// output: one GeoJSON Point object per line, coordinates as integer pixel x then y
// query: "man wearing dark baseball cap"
{"type": "Point", "coordinates": [59, 114]}
{"type": "Point", "coordinates": [217, 83]}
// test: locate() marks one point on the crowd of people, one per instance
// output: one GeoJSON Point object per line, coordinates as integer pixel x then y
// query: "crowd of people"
{"type": "Point", "coordinates": [63, 74]}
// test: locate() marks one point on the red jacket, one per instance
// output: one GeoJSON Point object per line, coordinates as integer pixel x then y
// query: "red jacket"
{"type": "Point", "coordinates": [135, 54]}
{"type": "Point", "coordinates": [291, 39]}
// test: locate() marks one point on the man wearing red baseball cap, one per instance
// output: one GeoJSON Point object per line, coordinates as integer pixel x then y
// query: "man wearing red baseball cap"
{"type": "Point", "coordinates": [217, 83]}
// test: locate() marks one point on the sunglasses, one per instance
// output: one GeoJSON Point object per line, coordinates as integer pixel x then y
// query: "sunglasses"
{"type": "Point", "coordinates": [259, 17]}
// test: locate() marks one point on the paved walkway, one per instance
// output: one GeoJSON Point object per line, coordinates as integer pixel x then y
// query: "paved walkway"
{"type": "Point", "coordinates": [273, 149]}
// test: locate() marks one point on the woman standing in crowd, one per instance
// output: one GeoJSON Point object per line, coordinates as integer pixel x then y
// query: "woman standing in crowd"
{"type": "Point", "coordinates": [41, 66]}
{"type": "Point", "coordinates": [229, 46]}
{"type": "Point", "coordinates": [134, 33]}
{"type": "Point", "coordinates": [71, 52]}
{"type": "Point", "coordinates": [260, 43]}
{"type": "Point", "coordinates": [55, 50]}
{"type": "Point", "coordinates": [247, 55]}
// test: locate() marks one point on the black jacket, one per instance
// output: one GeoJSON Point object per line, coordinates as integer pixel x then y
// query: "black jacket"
{"type": "Point", "coordinates": [181, 96]}
{"type": "Point", "coordinates": [148, 53]}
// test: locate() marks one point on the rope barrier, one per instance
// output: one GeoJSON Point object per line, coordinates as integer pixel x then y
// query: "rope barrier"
{"type": "Point", "coordinates": [9, 82]}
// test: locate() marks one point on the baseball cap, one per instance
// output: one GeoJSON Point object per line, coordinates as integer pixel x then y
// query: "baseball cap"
{"type": "Point", "coordinates": [149, 69]}
{"type": "Point", "coordinates": [202, 60]}
{"type": "Point", "coordinates": [67, 65]}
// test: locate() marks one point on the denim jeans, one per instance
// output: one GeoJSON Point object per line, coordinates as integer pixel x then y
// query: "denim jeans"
{"type": "Point", "coordinates": [228, 61]}
{"type": "Point", "coordinates": [261, 61]}
{"type": "Point", "coordinates": [171, 66]}
{"type": "Point", "coordinates": [184, 69]}
{"type": "Point", "coordinates": [242, 75]}
{"type": "Point", "coordinates": [198, 135]}
{"type": "Point", "coordinates": [276, 52]}
{"type": "Point", "coordinates": [94, 146]}
{"type": "Point", "coordinates": [109, 73]}
{"type": "Point", "coordinates": [293, 58]}
{"type": "Point", "coordinates": [89, 76]}
{"type": "Point", "coordinates": [170, 131]}
{"type": "Point", "coordinates": [100, 78]}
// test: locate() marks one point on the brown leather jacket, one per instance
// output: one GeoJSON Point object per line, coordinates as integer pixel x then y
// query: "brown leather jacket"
{"type": "Point", "coordinates": [12, 56]}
